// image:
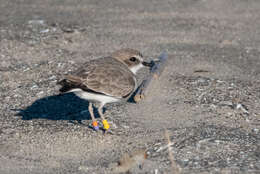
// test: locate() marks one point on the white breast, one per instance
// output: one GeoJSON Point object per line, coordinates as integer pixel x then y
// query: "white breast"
{"type": "Point", "coordinates": [103, 99]}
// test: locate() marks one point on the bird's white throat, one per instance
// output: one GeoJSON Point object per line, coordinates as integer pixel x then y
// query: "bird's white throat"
{"type": "Point", "coordinates": [135, 68]}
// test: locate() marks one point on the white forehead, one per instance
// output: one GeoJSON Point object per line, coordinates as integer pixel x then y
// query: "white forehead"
{"type": "Point", "coordinates": [139, 57]}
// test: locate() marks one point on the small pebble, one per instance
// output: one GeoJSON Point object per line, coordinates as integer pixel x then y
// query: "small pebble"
{"type": "Point", "coordinates": [45, 31]}
{"type": "Point", "coordinates": [52, 77]}
{"type": "Point", "coordinates": [40, 93]}
{"type": "Point", "coordinates": [34, 86]}
{"type": "Point", "coordinates": [37, 22]}
{"type": "Point", "coordinates": [256, 130]}
{"type": "Point", "coordinates": [83, 168]}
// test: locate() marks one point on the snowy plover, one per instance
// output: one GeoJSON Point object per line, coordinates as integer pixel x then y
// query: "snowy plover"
{"type": "Point", "coordinates": [105, 80]}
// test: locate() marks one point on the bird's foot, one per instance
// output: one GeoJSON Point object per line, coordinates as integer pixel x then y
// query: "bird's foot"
{"type": "Point", "coordinates": [95, 125]}
{"type": "Point", "coordinates": [105, 125]}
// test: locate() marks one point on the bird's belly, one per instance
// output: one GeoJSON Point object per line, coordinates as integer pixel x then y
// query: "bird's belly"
{"type": "Point", "coordinates": [94, 96]}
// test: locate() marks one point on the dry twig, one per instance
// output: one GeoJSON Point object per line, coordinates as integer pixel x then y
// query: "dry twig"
{"type": "Point", "coordinates": [175, 168]}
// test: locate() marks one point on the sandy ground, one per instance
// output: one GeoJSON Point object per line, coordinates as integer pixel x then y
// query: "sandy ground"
{"type": "Point", "coordinates": [208, 97]}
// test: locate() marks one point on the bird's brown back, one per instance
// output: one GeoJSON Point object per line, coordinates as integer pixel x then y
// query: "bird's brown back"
{"type": "Point", "coordinates": [105, 75]}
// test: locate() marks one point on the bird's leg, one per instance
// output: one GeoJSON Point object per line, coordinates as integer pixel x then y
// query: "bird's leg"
{"type": "Point", "coordinates": [94, 121]}
{"type": "Point", "coordinates": [104, 121]}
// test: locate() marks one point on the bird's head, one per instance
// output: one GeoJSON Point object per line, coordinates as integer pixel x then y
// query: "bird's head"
{"type": "Point", "coordinates": [132, 58]}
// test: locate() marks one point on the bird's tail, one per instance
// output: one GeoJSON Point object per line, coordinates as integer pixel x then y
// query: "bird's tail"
{"type": "Point", "coordinates": [68, 84]}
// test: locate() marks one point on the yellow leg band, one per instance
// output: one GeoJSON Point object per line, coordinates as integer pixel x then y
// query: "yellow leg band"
{"type": "Point", "coordinates": [105, 124]}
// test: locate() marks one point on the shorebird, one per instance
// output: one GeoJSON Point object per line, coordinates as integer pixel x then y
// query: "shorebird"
{"type": "Point", "coordinates": [105, 80]}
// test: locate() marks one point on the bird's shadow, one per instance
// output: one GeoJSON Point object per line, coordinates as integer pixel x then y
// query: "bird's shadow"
{"type": "Point", "coordinates": [58, 107]}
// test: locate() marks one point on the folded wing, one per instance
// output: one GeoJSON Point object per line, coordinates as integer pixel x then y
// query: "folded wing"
{"type": "Point", "coordinates": [105, 76]}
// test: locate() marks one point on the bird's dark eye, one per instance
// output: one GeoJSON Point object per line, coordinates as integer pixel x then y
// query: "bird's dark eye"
{"type": "Point", "coordinates": [133, 59]}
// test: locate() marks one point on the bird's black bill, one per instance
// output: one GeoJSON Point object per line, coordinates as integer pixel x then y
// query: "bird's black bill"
{"type": "Point", "coordinates": [150, 64]}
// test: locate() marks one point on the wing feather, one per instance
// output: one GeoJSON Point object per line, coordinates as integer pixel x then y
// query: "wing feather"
{"type": "Point", "coordinates": [106, 75]}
